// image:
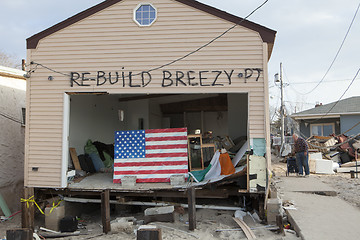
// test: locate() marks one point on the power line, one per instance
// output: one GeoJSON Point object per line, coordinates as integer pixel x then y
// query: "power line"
{"type": "Point", "coordinates": [289, 83]}
{"type": "Point", "coordinates": [210, 42]}
{"type": "Point", "coordinates": [301, 102]}
{"type": "Point", "coordinates": [328, 81]}
{"type": "Point", "coordinates": [10, 118]}
{"type": "Point", "coordinates": [272, 118]}
{"type": "Point", "coordinates": [333, 61]}
{"type": "Point", "coordinates": [186, 55]}
{"type": "Point", "coordinates": [351, 128]}
{"type": "Point", "coordinates": [52, 70]}
{"type": "Point", "coordinates": [337, 100]}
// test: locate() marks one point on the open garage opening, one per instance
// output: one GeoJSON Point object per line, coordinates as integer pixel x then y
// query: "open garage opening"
{"type": "Point", "coordinates": [221, 119]}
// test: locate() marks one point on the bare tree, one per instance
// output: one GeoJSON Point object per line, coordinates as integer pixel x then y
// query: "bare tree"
{"type": "Point", "coordinates": [9, 60]}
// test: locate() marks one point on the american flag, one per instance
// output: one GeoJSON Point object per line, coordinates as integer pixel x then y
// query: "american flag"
{"type": "Point", "coordinates": [151, 155]}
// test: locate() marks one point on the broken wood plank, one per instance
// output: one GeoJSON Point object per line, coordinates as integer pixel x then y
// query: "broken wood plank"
{"type": "Point", "coordinates": [75, 158]}
{"type": "Point", "coordinates": [248, 232]}
{"type": "Point", "coordinates": [351, 164]}
{"type": "Point", "coordinates": [192, 208]}
{"type": "Point", "coordinates": [348, 169]}
{"type": "Point", "coordinates": [267, 189]}
{"type": "Point", "coordinates": [105, 210]}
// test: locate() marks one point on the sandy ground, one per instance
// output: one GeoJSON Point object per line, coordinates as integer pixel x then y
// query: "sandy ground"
{"type": "Point", "coordinates": [208, 221]}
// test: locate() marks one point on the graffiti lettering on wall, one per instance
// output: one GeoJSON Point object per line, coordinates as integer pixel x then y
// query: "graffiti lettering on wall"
{"type": "Point", "coordinates": [168, 78]}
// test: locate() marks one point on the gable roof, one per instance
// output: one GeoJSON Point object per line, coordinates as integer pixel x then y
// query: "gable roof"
{"type": "Point", "coordinates": [345, 106]}
{"type": "Point", "coordinates": [266, 34]}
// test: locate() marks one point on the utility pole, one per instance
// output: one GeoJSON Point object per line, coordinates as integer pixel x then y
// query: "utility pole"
{"type": "Point", "coordinates": [282, 108]}
{"type": "Point", "coordinates": [279, 79]}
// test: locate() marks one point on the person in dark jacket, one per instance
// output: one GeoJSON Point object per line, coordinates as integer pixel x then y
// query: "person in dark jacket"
{"type": "Point", "coordinates": [302, 155]}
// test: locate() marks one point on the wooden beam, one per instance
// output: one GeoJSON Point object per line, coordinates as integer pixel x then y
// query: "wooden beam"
{"type": "Point", "coordinates": [105, 210]}
{"type": "Point", "coordinates": [75, 158]}
{"type": "Point", "coordinates": [348, 169]}
{"type": "Point", "coordinates": [87, 93]}
{"type": "Point", "coordinates": [211, 104]}
{"type": "Point", "coordinates": [9, 75]}
{"type": "Point", "coordinates": [247, 173]}
{"type": "Point", "coordinates": [248, 232]}
{"type": "Point", "coordinates": [144, 96]}
{"type": "Point", "coordinates": [192, 208]}
{"type": "Point", "coordinates": [27, 213]}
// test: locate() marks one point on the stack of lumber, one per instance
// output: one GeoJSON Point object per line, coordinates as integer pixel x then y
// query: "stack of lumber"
{"type": "Point", "coordinates": [349, 167]}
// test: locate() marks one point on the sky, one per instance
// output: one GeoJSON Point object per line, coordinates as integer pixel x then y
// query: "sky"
{"type": "Point", "coordinates": [309, 35]}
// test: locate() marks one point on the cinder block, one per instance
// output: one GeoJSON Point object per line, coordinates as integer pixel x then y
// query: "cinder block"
{"type": "Point", "coordinates": [160, 214]}
{"type": "Point", "coordinates": [128, 181]}
{"type": "Point", "coordinates": [159, 210]}
{"type": "Point", "coordinates": [274, 206]}
{"type": "Point", "coordinates": [146, 232]}
{"type": "Point", "coordinates": [52, 219]}
{"type": "Point", "coordinates": [176, 180]}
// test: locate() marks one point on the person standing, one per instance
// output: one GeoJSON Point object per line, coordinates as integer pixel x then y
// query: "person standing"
{"type": "Point", "coordinates": [301, 150]}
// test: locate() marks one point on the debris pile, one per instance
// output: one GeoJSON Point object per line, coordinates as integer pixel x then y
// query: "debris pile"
{"type": "Point", "coordinates": [330, 154]}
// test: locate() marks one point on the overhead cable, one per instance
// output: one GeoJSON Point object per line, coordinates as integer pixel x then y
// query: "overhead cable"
{"type": "Point", "coordinates": [337, 100]}
{"type": "Point", "coordinates": [186, 55]}
{"type": "Point", "coordinates": [337, 53]}
{"type": "Point", "coordinates": [352, 128]}
{"type": "Point", "coordinates": [11, 118]}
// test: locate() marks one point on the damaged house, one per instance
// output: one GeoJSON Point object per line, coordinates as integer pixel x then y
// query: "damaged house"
{"type": "Point", "coordinates": [127, 65]}
{"type": "Point", "coordinates": [333, 118]}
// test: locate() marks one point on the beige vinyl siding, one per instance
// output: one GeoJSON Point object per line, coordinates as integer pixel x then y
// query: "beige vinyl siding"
{"type": "Point", "coordinates": [110, 40]}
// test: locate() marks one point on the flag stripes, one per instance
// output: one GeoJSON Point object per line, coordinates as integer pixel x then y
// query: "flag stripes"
{"type": "Point", "coordinates": [152, 155]}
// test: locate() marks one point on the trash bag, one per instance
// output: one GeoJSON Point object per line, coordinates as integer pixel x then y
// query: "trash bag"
{"type": "Point", "coordinates": [91, 150]}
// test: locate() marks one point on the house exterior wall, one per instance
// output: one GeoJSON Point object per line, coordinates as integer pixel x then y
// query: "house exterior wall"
{"type": "Point", "coordinates": [110, 41]}
{"type": "Point", "coordinates": [305, 125]}
{"type": "Point", "coordinates": [12, 132]}
{"type": "Point", "coordinates": [349, 121]}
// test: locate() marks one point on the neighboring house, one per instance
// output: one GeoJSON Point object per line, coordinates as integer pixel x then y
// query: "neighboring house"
{"type": "Point", "coordinates": [111, 68]}
{"type": "Point", "coordinates": [12, 135]}
{"type": "Point", "coordinates": [337, 117]}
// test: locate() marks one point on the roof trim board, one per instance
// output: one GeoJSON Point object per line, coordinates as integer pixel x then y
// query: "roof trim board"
{"type": "Point", "coordinates": [333, 115]}
{"type": "Point", "coordinates": [266, 34]}
{"type": "Point", "coordinates": [315, 116]}
{"type": "Point", "coordinates": [348, 106]}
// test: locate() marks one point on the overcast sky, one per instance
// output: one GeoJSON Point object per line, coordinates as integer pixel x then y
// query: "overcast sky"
{"type": "Point", "coordinates": [309, 34]}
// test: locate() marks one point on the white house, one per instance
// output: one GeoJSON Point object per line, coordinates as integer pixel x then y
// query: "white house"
{"type": "Point", "coordinates": [12, 134]}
